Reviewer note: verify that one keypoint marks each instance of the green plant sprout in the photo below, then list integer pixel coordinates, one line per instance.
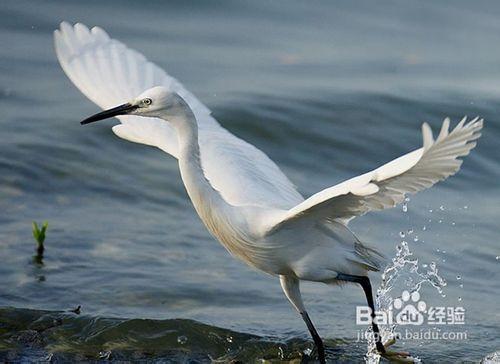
(39, 235)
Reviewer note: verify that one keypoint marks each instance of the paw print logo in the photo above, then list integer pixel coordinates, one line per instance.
(411, 309)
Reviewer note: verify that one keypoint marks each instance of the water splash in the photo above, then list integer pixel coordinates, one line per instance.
(492, 358)
(405, 204)
(403, 273)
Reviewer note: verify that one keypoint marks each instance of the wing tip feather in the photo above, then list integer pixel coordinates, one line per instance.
(427, 136)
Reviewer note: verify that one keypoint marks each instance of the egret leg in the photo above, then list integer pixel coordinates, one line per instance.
(291, 287)
(392, 356)
(315, 336)
(367, 288)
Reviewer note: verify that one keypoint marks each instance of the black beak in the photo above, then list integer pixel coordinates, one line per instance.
(119, 110)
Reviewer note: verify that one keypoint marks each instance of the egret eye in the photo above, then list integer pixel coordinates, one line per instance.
(147, 102)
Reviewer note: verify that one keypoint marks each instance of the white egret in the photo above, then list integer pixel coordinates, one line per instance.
(242, 197)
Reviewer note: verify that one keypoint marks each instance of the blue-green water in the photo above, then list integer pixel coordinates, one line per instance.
(328, 90)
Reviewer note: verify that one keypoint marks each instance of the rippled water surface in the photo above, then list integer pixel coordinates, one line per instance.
(328, 90)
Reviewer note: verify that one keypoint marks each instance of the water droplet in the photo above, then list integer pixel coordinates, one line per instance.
(407, 199)
(443, 295)
(444, 251)
(440, 221)
(415, 239)
(461, 285)
(105, 354)
(497, 257)
(453, 223)
(459, 277)
(281, 353)
(438, 250)
(229, 339)
(402, 234)
(430, 210)
(466, 207)
(182, 339)
(441, 208)
(424, 265)
(424, 228)
(49, 357)
(405, 207)
(444, 260)
(459, 299)
(410, 231)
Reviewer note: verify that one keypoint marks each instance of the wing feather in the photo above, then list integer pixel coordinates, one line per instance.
(387, 185)
(109, 73)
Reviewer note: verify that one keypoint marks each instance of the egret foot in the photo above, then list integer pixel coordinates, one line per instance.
(395, 356)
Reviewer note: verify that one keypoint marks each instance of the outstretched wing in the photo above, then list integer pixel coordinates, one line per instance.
(387, 185)
(109, 73)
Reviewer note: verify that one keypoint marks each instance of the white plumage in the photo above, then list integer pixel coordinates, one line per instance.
(108, 73)
(387, 185)
(243, 198)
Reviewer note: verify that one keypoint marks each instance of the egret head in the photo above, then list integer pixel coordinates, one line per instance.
(154, 102)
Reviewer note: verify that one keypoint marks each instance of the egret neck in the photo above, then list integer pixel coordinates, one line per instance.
(207, 201)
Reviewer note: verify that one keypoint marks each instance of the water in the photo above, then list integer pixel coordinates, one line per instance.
(328, 91)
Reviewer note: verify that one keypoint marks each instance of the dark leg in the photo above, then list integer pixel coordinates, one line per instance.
(367, 288)
(316, 338)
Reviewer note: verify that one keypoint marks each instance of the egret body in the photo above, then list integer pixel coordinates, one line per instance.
(249, 205)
